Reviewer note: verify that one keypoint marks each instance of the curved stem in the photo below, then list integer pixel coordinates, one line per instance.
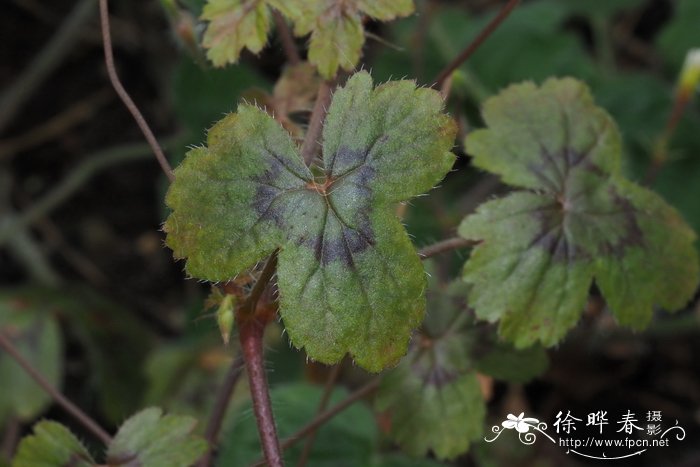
(251, 337)
(476, 43)
(125, 97)
(60, 399)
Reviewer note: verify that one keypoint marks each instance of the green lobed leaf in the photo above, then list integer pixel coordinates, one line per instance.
(33, 330)
(349, 439)
(337, 34)
(541, 250)
(149, 439)
(433, 396)
(233, 26)
(348, 275)
(51, 445)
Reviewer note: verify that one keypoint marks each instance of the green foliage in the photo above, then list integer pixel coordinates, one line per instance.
(201, 96)
(100, 326)
(349, 278)
(183, 374)
(503, 363)
(433, 396)
(51, 445)
(233, 26)
(541, 250)
(545, 48)
(33, 330)
(681, 34)
(149, 439)
(349, 439)
(337, 34)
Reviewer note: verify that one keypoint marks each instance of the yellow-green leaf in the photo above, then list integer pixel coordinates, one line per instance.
(233, 26)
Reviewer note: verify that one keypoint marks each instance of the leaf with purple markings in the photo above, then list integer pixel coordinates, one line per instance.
(349, 278)
(579, 222)
(433, 396)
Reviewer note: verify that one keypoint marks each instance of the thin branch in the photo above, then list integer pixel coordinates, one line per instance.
(91, 165)
(124, 96)
(310, 147)
(223, 398)
(322, 418)
(286, 38)
(445, 245)
(476, 43)
(60, 45)
(67, 405)
(327, 391)
(251, 329)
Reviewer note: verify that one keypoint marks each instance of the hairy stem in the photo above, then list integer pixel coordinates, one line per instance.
(476, 43)
(323, 417)
(311, 145)
(251, 337)
(125, 97)
(60, 399)
(444, 246)
(223, 398)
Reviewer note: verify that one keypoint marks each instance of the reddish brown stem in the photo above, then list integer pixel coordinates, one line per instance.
(68, 406)
(323, 417)
(476, 43)
(251, 337)
(125, 97)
